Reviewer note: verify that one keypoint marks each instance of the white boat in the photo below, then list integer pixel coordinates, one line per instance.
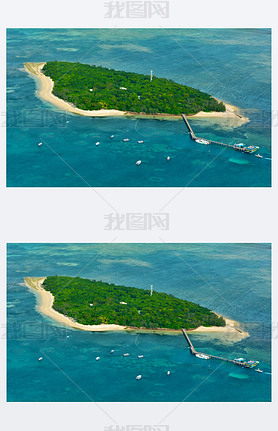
(258, 370)
(112, 136)
(138, 377)
(259, 156)
(202, 356)
(140, 142)
(97, 358)
(40, 359)
(126, 140)
(126, 354)
(168, 373)
(112, 351)
(140, 356)
(138, 162)
(168, 158)
(39, 144)
(202, 141)
(97, 144)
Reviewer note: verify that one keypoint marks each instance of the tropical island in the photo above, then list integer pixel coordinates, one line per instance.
(98, 306)
(98, 91)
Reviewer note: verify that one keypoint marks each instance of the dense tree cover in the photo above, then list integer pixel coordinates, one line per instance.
(94, 87)
(73, 296)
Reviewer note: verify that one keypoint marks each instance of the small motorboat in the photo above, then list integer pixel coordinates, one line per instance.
(202, 141)
(126, 139)
(140, 356)
(112, 351)
(112, 136)
(97, 144)
(168, 158)
(258, 370)
(202, 356)
(126, 354)
(168, 373)
(139, 377)
(40, 359)
(97, 358)
(68, 336)
(138, 162)
(140, 142)
(39, 144)
(259, 156)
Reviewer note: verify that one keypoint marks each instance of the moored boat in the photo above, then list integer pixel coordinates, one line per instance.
(246, 149)
(202, 356)
(251, 149)
(251, 364)
(202, 141)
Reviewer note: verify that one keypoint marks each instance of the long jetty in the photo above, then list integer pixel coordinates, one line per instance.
(194, 352)
(194, 138)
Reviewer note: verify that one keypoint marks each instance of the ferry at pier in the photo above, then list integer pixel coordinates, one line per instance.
(251, 364)
(249, 150)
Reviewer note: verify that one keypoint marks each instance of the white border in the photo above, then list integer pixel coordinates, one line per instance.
(18, 224)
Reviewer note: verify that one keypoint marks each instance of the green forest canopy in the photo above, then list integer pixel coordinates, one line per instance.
(127, 306)
(95, 87)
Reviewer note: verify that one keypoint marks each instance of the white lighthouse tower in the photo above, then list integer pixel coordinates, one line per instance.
(151, 78)
(151, 290)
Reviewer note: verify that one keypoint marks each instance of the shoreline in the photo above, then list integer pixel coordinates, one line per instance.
(46, 308)
(45, 93)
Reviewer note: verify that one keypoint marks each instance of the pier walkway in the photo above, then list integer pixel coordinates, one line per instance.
(194, 352)
(194, 137)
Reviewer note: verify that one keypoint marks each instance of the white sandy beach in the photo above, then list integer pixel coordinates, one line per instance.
(35, 69)
(47, 299)
(46, 304)
(232, 328)
(231, 112)
(46, 93)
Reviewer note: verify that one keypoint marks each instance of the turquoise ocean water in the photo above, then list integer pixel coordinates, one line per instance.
(233, 65)
(231, 279)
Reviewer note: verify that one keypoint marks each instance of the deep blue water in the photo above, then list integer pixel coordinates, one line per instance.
(233, 65)
(231, 279)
